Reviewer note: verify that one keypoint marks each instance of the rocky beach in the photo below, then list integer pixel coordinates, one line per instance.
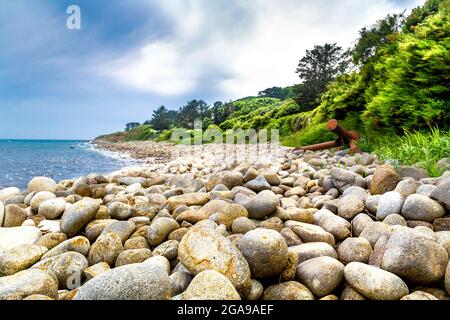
(325, 225)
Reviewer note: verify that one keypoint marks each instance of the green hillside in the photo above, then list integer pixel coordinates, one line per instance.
(392, 86)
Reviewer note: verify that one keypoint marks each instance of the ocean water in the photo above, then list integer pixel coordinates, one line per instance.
(21, 160)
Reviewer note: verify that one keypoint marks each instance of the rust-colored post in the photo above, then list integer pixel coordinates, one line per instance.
(345, 136)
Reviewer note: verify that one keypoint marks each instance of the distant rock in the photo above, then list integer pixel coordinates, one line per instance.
(385, 179)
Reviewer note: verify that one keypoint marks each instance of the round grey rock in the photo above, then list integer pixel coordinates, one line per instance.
(266, 252)
(375, 283)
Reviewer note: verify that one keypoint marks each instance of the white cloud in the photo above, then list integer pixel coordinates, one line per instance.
(254, 45)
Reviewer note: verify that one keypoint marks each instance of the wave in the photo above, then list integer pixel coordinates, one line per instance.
(122, 157)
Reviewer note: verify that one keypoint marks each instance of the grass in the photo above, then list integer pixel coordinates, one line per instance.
(420, 148)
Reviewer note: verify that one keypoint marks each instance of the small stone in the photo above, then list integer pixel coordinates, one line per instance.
(8, 193)
(27, 283)
(441, 224)
(291, 267)
(189, 199)
(78, 216)
(442, 193)
(295, 191)
(262, 205)
(20, 258)
(336, 225)
(290, 237)
(39, 198)
(385, 179)
(372, 203)
(250, 174)
(265, 251)
(301, 215)
(133, 256)
(96, 270)
(124, 229)
(310, 232)
(13, 237)
(177, 234)
(419, 295)
(137, 281)
(119, 211)
(210, 285)
(256, 292)
(290, 290)
(39, 297)
(68, 268)
(168, 249)
(413, 172)
(95, 228)
(14, 216)
(53, 208)
(360, 222)
(426, 189)
(375, 283)
(420, 207)
(354, 250)
(415, 257)
(376, 258)
(136, 243)
(350, 206)
(107, 248)
(179, 281)
(406, 187)
(39, 184)
(51, 240)
(344, 179)
(232, 178)
(160, 229)
(395, 220)
(374, 231)
(230, 213)
(391, 202)
(78, 244)
(204, 249)
(306, 251)
(350, 293)
(321, 275)
(258, 184)
(359, 192)
(272, 177)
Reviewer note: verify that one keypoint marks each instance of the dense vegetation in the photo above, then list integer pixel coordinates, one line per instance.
(392, 85)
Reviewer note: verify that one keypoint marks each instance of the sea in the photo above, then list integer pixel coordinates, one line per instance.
(22, 160)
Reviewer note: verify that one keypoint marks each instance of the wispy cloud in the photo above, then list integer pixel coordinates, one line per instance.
(254, 44)
(133, 56)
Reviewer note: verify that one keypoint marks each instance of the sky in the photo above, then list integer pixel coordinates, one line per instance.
(129, 57)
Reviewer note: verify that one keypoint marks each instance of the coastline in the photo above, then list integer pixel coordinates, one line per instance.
(146, 151)
(266, 217)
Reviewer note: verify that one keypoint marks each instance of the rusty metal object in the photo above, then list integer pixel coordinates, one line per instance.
(345, 137)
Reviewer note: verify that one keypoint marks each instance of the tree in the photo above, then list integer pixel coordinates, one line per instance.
(216, 112)
(276, 92)
(188, 114)
(131, 125)
(317, 68)
(419, 14)
(203, 109)
(160, 119)
(372, 38)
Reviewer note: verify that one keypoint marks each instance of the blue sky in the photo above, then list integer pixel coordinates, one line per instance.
(132, 56)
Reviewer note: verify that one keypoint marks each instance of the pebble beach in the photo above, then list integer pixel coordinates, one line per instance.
(326, 225)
